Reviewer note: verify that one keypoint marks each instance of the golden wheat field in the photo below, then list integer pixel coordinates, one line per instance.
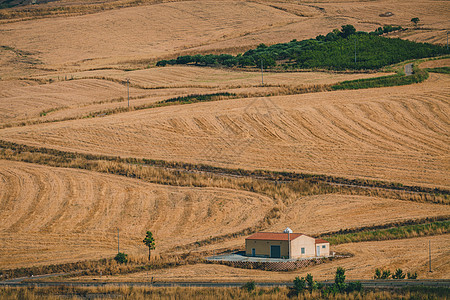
(63, 68)
(398, 134)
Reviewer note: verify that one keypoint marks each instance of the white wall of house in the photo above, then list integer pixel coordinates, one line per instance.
(303, 246)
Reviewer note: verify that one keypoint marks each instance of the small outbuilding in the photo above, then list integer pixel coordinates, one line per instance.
(285, 244)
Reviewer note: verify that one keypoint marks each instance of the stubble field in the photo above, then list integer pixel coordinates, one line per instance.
(68, 65)
(395, 134)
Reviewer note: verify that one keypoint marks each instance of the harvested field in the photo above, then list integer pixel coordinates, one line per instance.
(153, 30)
(166, 29)
(54, 215)
(187, 76)
(27, 100)
(95, 91)
(411, 255)
(436, 63)
(397, 134)
(345, 212)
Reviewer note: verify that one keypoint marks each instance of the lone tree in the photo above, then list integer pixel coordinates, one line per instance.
(415, 21)
(149, 241)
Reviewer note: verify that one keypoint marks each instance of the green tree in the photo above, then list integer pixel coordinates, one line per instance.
(339, 279)
(149, 241)
(312, 284)
(347, 30)
(415, 21)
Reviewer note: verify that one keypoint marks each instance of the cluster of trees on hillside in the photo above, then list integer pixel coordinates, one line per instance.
(336, 51)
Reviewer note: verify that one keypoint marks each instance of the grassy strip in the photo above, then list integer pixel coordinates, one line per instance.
(108, 266)
(384, 81)
(172, 101)
(387, 225)
(111, 291)
(442, 70)
(194, 98)
(284, 186)
(402, 232)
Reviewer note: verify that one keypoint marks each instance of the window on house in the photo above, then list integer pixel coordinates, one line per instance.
(323, 246)
(303, 250)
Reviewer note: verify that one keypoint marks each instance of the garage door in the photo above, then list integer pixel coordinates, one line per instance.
(275, 252)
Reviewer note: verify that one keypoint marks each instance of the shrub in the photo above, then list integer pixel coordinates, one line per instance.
(249, 286)
(354, 287)
(377, 274)
(121, 258)
(412, 275)
(386, 274)
(398, 274)
(299, 286)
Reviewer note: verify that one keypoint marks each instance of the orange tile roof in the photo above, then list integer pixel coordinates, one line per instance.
(273, 236)
(320, 241)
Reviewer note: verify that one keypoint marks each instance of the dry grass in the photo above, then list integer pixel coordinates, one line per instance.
(124, 292)
(396, 134)
(347, 211)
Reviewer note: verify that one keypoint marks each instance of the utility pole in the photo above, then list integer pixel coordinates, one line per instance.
(355, 50)
(128, 90)
(118, 243)
(429, 247)
(447, 40)
(262, 73)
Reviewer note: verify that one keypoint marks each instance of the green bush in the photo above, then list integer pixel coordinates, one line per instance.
(354, 287)
(412, 275)
(121, 258)
(311, 283)
(249, 286)
(299, 287)
(386, 274)
(398, 274)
